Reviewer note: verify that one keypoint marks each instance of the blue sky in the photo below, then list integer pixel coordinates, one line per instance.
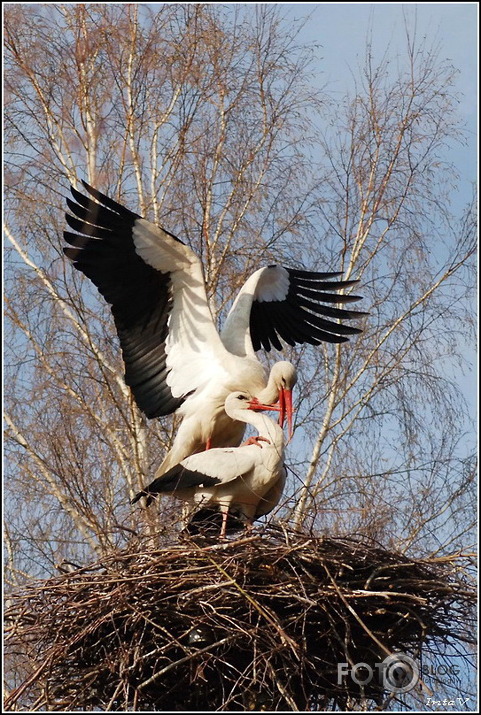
(341, 30)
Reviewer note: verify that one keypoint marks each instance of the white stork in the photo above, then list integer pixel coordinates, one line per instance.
(248, 479)
(175, 360)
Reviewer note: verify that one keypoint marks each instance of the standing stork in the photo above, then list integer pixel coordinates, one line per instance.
(248, 479)
(175, 360)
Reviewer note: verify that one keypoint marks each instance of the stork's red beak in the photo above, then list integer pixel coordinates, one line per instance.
(254, 404)
(283, 406)
(286, 409)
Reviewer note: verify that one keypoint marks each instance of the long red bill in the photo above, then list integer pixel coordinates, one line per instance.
(286, 409)
(256, 405)
(283, 406)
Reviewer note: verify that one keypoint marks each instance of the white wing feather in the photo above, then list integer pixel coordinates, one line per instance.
(224, 464)
(195, 353)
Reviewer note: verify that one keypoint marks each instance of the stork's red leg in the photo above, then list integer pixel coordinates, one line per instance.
(208, 444)
(225, 514)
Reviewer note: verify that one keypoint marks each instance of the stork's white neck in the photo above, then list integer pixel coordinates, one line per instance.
(270, 393)
(265, 426)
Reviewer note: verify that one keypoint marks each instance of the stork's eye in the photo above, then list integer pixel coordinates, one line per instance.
(242, 397)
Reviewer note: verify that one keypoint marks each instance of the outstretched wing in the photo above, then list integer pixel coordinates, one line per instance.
(154, 284)
(296, 306)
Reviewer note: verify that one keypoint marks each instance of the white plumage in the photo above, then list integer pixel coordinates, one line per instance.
(248, 479)
(175, 360)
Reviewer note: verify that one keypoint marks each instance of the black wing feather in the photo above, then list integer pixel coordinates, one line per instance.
(262, 331)
(140, 296)
(301, 316)
(176, 479)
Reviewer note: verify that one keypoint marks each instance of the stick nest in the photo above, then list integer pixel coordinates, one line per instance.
(259, 623)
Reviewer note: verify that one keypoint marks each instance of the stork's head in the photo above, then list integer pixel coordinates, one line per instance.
(243, 401)
(278, 393)
(284, 375)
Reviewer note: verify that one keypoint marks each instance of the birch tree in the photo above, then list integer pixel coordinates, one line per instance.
(391, 454)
